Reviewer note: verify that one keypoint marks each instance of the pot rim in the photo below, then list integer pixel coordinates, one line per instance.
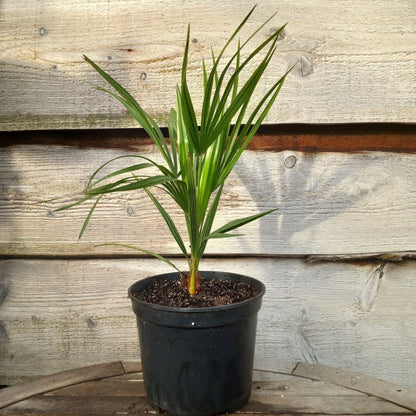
(205, 309)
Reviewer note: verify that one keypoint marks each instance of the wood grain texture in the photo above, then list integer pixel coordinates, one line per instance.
(272, 394)
(60, 314)
(335, 204)
(355, 381)
(51, 382)
(353, 64)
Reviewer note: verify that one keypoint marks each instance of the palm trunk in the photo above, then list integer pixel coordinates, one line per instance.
(193, 278)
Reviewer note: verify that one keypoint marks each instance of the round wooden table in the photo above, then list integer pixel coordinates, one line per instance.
(278, 388)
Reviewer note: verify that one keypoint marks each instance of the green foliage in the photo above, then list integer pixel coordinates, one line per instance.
(199, 156)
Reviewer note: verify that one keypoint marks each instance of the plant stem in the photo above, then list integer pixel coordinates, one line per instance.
(193, 278)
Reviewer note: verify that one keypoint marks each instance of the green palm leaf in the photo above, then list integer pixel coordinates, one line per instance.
(142, 250)
(232, 225)
(198, 156)
(170, 223)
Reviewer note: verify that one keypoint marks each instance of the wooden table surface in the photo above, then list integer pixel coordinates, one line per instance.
(278, 388)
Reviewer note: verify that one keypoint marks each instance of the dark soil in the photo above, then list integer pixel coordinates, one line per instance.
(212, 292)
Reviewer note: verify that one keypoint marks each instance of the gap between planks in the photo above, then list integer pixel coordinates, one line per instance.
(390, 392)
(352, 137)
(395, 257)
(15, 394)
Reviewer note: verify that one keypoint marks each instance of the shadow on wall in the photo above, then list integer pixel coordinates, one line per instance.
(328, 203)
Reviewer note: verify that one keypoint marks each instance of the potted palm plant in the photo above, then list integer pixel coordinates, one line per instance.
(196, 351)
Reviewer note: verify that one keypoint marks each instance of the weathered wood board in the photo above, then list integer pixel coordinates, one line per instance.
(63, 303)
(273, 393)
(354, 62)
(63, 314)
(336, 204)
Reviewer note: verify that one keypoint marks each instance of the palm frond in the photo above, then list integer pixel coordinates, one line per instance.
(198, 156)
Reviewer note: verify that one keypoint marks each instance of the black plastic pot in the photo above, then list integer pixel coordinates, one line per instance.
(197, 361)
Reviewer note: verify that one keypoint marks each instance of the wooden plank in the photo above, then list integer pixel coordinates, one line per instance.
(332, 204)
(268, 404)
(59, 313)
(321, 404)
(274, 366)
(265, 383)
(131, 385)
(73, 381)
(353, 63)
(80, 406)
(132, 366)
(44, 384)
(118, 395)
(379, 388)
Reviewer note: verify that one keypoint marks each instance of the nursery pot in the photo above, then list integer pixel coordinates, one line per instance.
(197, 361)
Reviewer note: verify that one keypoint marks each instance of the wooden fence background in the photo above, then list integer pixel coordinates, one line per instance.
(337, 157)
